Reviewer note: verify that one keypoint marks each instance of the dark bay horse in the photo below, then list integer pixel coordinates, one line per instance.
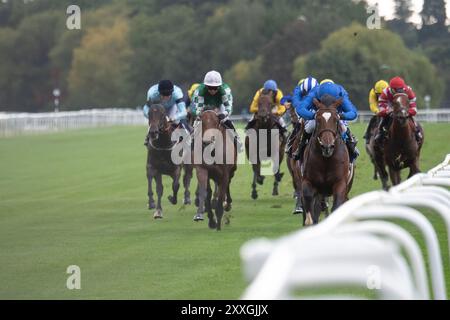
(159, 161)
(400, 149)
(218, 162)
(326, 167)
(264, 122)
(294, 166)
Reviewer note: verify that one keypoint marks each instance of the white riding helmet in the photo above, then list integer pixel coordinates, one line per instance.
(213, 79)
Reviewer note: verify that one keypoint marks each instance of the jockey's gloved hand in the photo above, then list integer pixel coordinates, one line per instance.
(341, 116)
(222, 117)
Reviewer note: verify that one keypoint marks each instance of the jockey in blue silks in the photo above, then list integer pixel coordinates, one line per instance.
(171, 98)
(347, 111)
(300, 92)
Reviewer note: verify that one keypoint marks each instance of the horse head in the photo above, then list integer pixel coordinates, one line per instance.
(265, 106)
(210, 124)
(400, 105)
(327, 124)
(157, 121)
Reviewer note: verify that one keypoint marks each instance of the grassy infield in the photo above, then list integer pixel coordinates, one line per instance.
(80, 198)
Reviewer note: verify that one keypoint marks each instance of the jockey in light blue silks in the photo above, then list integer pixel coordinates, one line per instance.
(171, 97)
(347, 111)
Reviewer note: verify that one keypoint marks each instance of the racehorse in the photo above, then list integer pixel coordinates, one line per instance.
(326, 168)
(400, 149)
(372, 130)
(264, 120)
(159, 161)
(294, 165)
(220, 143)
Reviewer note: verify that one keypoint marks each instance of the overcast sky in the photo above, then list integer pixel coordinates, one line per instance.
(386, 8)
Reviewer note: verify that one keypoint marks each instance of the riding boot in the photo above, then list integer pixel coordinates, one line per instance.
(382, 129)
(251, 123)
(418, 134)
(291, 140)
(351, 142)
(228, 124)
(298, 155)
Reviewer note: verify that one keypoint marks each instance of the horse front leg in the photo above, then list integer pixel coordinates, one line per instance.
(214, 197)
(222, 183)
(187, 183)
(151, 200)
(175, 185)
(308, 194)
(339, 195)
(413, 168)
(202, 177)
(277, 180)
(380, 167)
(159, 191)
(395, 176)
(255, 179)
(209, 207)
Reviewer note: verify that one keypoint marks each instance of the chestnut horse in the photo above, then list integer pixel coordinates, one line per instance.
(264, 120)
(400, 149)
(219, 166)
(159, 161)
(326, 168)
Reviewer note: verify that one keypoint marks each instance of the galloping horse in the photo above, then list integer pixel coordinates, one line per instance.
(159, 161)
(294, 166)
(400, 149)
(326, 167)
(216, 139)
(265, 121)
(371, 145)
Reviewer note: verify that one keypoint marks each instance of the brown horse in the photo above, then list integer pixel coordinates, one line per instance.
(400, 149)
(326, 167)
(264, 122)
(372, 130)
(294, 166)
(159, 161)
(218, 163)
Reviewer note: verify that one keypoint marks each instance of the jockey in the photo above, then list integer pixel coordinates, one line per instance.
(171, 97)
(300, 92)
(347, 111)
(279, 110)
(396, 85)
(374, 94)
(190, 93)
(215, 94)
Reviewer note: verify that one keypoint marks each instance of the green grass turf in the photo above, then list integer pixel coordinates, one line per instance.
(79, 198)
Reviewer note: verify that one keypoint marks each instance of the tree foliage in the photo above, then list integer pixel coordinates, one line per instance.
(354, 58)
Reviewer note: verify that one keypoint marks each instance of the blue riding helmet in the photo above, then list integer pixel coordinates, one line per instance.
(330, 89)
(270, 85)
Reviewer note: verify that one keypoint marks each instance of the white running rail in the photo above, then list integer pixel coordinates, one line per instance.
(342, 250)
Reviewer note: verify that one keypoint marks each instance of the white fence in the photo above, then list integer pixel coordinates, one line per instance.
(355, 246)
(24, 123)
(12, 124)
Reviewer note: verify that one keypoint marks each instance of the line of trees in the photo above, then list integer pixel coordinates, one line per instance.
(124, 47)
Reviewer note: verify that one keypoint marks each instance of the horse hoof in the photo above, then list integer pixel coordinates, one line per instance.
(212, 224)
(254, 195)
(187, 201)
(309, 220)
(260, 180)
(275, 192)
(151, 205)
(157, 214)
(227, 207)
(226, 220)
(199, 217)
(172, 199)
